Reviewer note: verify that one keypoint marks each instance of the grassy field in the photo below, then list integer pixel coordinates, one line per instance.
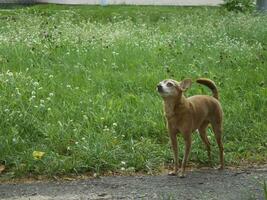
(77, 83)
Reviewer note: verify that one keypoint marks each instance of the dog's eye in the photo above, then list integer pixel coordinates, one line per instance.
(169, 84)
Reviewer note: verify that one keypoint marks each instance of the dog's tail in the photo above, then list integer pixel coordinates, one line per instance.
(211, 85)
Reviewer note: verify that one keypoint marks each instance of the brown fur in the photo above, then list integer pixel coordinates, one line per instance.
(186, 115)
(211, 85)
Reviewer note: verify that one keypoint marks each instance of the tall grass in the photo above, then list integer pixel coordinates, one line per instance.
(78, 83)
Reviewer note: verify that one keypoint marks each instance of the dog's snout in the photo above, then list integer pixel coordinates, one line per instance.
(160, 88)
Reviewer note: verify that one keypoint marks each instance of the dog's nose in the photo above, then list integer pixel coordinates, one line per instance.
(159, 88)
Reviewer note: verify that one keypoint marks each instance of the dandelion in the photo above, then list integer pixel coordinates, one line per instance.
(37, 155)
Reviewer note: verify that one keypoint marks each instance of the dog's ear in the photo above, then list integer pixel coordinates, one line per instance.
(185, 84)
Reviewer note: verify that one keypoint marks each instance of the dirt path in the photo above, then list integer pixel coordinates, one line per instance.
(199, 184)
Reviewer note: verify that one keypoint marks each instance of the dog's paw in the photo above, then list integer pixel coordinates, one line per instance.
(172, 173)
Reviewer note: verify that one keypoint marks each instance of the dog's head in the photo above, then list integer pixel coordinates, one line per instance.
(172, 88)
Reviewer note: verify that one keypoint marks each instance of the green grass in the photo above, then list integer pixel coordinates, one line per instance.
(265, 189)
(78, 83)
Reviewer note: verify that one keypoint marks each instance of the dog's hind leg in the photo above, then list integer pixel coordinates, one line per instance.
(204, 138)
(217, 129)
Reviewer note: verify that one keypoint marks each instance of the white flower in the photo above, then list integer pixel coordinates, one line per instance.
(114, 124)
(32, 98)
(106, 128)
(123, 162)
(35, 84)
(9, 73)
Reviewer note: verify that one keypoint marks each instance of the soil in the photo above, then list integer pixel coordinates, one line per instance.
(236, 184)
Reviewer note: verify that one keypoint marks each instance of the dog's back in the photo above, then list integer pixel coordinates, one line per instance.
(206, 108)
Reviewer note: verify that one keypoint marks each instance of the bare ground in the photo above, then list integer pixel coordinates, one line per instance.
(236, 184)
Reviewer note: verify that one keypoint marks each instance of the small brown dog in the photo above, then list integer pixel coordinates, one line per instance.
(185, 115)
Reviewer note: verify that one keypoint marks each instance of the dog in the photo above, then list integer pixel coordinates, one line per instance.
(186, 115)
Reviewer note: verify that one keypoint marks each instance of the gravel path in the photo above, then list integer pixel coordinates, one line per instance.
(199, 184)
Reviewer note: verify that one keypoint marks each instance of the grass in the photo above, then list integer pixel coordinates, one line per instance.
(265, 189)
(78, 83)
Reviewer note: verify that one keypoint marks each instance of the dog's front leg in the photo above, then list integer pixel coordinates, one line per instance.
(175, 152)
(188, 141)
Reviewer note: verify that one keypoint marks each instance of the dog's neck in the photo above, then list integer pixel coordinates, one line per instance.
(172, 105)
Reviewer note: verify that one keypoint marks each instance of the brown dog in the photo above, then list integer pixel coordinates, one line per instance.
(185, 115)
